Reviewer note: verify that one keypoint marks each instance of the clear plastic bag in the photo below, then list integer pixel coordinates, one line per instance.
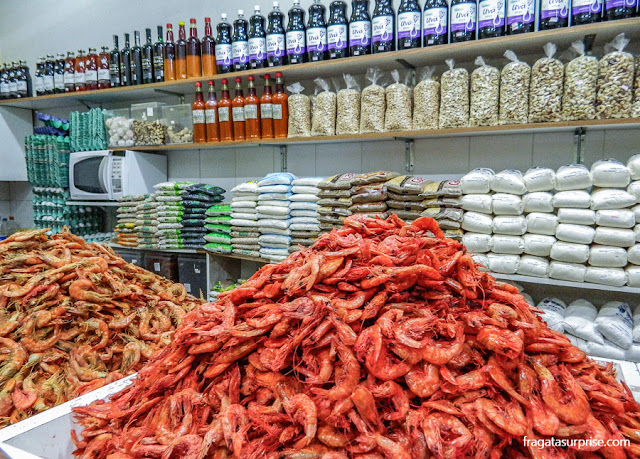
(615, 81)
(545, 96)
(372, 103)
(580, 79)
(514, 90)
(426, 101)
(323, 119)
(485, 89)
(348, 117)
(635, 105)
(397, 116)
(454, 97)
(299, 112)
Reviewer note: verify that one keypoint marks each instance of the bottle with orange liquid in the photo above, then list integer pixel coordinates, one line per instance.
(181, 53)
(252, 111)
(224, 113)
(237, 112)
(280, 109)
(197, 111)
(194, 52)
(169, 56)
(208, 50)
(266, 110)
(211, 115)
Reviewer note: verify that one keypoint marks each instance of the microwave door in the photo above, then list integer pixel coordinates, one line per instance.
(89, 176)
(103, 174)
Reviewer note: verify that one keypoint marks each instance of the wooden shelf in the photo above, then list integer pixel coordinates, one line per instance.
(492, 48)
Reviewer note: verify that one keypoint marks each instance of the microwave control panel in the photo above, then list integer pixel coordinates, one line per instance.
(116, 175)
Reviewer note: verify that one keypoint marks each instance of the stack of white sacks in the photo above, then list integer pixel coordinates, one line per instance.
(244, 220)
(303, 209)
(273, 215)
(574, 224)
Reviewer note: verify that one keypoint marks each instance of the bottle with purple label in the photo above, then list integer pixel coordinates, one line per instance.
(619, 9)
(491, 16)
(224, 58)
(435, 19)
(382, 27)
(257, 40)
(554, 14)
(521, 16)
(240, 43)
(296, 35)
(409, 25)
(586, 11)
(276, 49)
(317, 32)
(359, 28)
(463, 20)
(337, 30)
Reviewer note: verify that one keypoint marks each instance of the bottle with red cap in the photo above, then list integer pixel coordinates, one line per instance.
(237, 112)
(224, 113)
(211, 114)
(280, 107)
(197, 110)
(266, 110)
(194, 52)
(252, 111)
(208, 50)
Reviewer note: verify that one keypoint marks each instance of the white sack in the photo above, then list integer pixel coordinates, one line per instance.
(553, 313)
(482, 260)
(477, 242)
(539, 179)
(538, 244)
(634, 190)
(477, 181)
(567, 271)
(633, 254)
(533, 266)
(573, 177)
(610, 173)
(607, 350)
(515, 226)
(616, 277)
(616, 218)
(507, 204)
(569, 252)
(477, 223)
(616, 237)
(507, 244)
(636, 324)
(608, 198)
(579, 199)
(539, 223)
(477, 203)
(508, 181)
(506, 264)
(615, 323)
(633, 276)
(578, 234)
(540, 201)
(634, 167)
(604, 256)
(576, 216)
(579, 318)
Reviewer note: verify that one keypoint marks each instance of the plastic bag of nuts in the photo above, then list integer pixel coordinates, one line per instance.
(348, 117)
(514, 90)
(323, 118)
(635, 106)
(580, 78)
(397, 117)
(454, 97)
(372, 104)
(615, 81)
(426, 101)
(299, 112)
(545, 96)
(148, 132)
(485, 89)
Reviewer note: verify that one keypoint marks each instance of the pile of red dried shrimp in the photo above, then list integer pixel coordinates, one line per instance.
(73, 317)
(379, 341)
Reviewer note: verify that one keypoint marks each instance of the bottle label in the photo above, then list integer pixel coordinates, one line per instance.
(103, 75)
(79, 77)
(257, 48)
(240, 52)
(69, 78)
(223, 54)
(223, 114)
(382, 29)
(409, 25)
(91, 76)
(557, 8)
(198, 116)
(4, 88)
(295, 42)
(210, 115)
(275, 45)
(39, 84)
(158, 67)
(48, 83)
(585, 6)
(521, 11)
(317, 39)
(611, 4)
(238, 114)
(434, 21)
(146, 65)
(58, 81)
(360, 33)
(13, 87)
(266, 111)
(251, 112)
(463, 17)
(21, 86)
(277, 111)
(337, 36)
(490, 13)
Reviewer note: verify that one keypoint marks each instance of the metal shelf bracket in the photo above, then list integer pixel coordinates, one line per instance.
(579, 136)
(283, 158)
(409, 155)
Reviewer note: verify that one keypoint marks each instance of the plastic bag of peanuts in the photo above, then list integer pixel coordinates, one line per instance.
(485, 89)
(397, 116)
(454, 97)
(299, 112)
(348, 116)
(580, 79)
(545, 95)
(514, 90)
(635, 105)
(323, 117)
(372, 103)
(426, 101)
(615, 81)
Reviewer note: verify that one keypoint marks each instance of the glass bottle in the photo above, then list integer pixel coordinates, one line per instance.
(463, 20)
(169, 56)
(13, 81)
(491, 15)
(158, 57)
(136, 60)
(521, 15)
(252, 111)
(618, 9)
(78, 72)
(211, 114)
(197, 111)
(237, 112)
(224, 113)
(317, 32)
(208, 50)
(409, 25)
(240, 43)
(181, 53)
(147, 59)
(114, 64)
(276, 48)
(337, 30)
(586, 11)
(359, 28)
(382, 27)
(25, 76)
(125, 69)
(39, 77)
(280, 107)
(435, 22)
(554, 14)
(257, 40)
(224, 58)
(69, 72)
(266, 110)
(58, 74)
(296, 37)
(104, 76)
(4, 82)
(194, 52)
(49, 84)
(90, 70)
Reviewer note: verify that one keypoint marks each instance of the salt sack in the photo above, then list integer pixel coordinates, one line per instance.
(476, 242)
(573, 177)
(615, 323)
(632, 354)
(506, 264)
(507, 204)
(608, 198)
(607, 350)
(553, 313)
(610, 173)
(513, 245)
(579, 320)
(528, 298)
(636, 212)
(538, 244)
(477, 223)
(616, 237)
(539, 179)
(539, 201)
(539, 223)
(515, 226)
(508, 181)
(636, 230)
(615, 277)
(616, 218)
(603, 256)
(569, 252)
(633, 254)
(576, 216)
(482, 260)
(635, 334)
(477, 203)
(634, 167)
(567, 271)
(533, 266)
(577, 199)
(634, 190)
(578, 234)
(477, 181)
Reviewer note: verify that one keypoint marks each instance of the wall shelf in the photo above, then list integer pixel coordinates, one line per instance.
(94, 203)
(565, 284)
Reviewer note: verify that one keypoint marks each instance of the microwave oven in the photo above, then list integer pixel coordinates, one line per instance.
(108, 175)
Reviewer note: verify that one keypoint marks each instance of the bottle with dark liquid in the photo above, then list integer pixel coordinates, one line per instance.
(296, 37)
(211, 115)
(69, 72)
(276, 48)
(521, 15)
(158, 58)
(317, 32)
(104, 75)
(237, 112)
(78, 71)
(194, 52)
(266, 110)
(409, 25)
(147, 59)
(359, 28)
(224, 57)
(586, 11)
(383, 21)
(435, 22)
(252, 111)
(463, 20)
(208, 50)
(4, 82)
(136, 60)
(619, 9)
(114, 64)
(49, 83)
(491, 16)
(337, 30)
(24, 86)
(125, 69)
(13, 81)
(181, 53)
(240, 43)
(39, 77)
(554, 14)
(197, 111)
(58, 74)
(169, 56)
(257, 40)
(224, 113)
(90, 70)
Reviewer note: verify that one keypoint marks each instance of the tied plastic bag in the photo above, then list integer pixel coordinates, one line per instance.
(454, 97)
(545, 97)
(610, 173)
(553, 310)
(426, 101)
(348, 117)
(579, 320)
(539, 179)
(299, 112)
(635, 105)
(398, 97)
(478, 181)
(485, 87)
(323, 120)
(615, 81)
(372, 104)
(615, 323)
(580, 83)
(514, 90)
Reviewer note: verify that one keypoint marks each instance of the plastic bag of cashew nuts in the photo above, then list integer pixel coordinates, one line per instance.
(635, 105)
(580, 80)
(615, 81)
(372, 103)
(397, 116)
(426, 101)
(299, 112)
(348, 117)
(514, 90)
(323, 117)
(545, 95)
(485, 88)
(454, 97)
